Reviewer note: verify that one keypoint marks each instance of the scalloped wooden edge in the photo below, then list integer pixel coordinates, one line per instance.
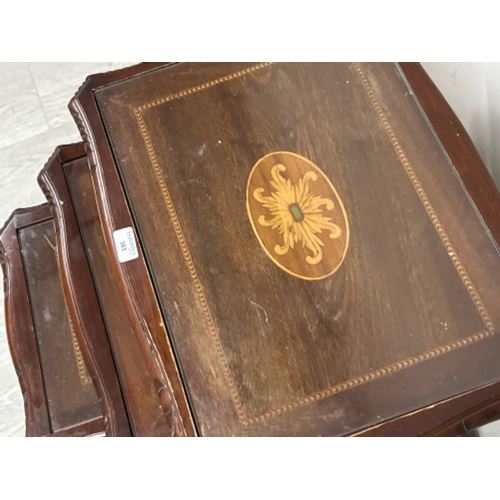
(144, 314)
(85, 314)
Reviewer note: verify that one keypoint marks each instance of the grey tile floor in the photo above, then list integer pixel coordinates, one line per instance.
(34, 119)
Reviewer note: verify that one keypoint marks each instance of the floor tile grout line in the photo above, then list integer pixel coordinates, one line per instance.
(38, 97)
(38, 134)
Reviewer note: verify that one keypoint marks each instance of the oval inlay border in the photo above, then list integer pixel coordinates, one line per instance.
(293, 205)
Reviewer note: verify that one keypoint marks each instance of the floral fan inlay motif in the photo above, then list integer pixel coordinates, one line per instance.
(297, 214)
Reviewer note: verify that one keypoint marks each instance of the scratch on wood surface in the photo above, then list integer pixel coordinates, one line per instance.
(260, 307)
(50, 243)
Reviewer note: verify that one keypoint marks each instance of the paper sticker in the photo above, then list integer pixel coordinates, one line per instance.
(125, 245)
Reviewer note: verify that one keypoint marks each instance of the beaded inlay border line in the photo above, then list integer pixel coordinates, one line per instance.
(80, 364)
(244, 420)
(425, 201)
(83, 374)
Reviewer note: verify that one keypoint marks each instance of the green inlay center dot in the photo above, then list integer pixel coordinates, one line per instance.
(296, 212)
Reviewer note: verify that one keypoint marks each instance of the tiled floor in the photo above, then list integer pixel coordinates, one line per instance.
(34, 119)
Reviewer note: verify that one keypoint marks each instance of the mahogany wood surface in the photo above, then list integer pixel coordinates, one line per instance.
(83, 306)
(265, 344)
(94, 428)
(71, 185)
(452, 417)
(59, 396)
(458, 145)
(142, 307)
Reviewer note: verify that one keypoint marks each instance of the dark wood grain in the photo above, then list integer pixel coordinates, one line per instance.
(94, 428)
(70, 176)
(58, 393)
(138, 294)
(458, 145)
(83, 306)
(263, 352)
(448, 418)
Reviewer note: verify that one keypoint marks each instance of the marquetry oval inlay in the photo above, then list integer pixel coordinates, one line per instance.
(297, 215)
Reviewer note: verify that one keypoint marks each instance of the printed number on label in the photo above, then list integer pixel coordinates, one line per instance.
(125, 245)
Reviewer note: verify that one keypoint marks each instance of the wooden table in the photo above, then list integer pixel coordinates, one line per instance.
(129, 397)
(59, 397)
(289, 249)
